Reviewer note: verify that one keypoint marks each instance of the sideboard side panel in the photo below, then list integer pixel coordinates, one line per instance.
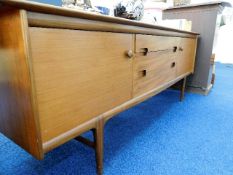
(17, 119)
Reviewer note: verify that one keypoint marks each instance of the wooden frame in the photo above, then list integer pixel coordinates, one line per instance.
(17, 94)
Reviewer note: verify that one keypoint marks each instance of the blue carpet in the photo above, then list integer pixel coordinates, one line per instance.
(194, 137)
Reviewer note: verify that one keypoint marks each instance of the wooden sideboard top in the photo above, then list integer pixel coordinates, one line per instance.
(64, 12)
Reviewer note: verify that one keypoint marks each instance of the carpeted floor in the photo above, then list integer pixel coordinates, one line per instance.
(194, 137)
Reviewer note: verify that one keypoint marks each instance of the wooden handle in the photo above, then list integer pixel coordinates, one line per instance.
(129, 54)
(145, 51)
(173, 64)
(144, 73)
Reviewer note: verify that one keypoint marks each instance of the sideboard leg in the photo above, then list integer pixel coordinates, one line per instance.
(98, 133)
(182, 90)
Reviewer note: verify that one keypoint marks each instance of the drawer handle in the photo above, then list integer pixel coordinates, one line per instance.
(143, 73)
(173, 64)
(146, 51)
(129, 54)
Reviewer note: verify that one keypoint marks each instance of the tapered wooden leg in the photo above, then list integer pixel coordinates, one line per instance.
(98, 133)
(182, 89)
(97, 144)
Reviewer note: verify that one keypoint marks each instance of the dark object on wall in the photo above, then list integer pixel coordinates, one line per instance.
(213, 70)
(132, 9)
(206, 20)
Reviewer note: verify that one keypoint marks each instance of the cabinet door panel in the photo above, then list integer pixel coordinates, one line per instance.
(186, 57)
(78, 76)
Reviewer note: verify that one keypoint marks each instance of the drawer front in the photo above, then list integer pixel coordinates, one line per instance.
(186, 56)
(157, 66)
(152, 43)
(78, 76)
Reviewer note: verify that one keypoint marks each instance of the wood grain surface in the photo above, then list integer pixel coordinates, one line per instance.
(78, 76)
(158, 66)
(186, 55)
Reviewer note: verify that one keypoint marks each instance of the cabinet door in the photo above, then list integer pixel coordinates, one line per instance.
(155, 62)
(78, 76)
(186, 57)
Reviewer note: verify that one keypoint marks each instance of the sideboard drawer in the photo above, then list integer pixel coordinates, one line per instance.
(78, 76)
(155, 62)
(152, 44)
(150, 73)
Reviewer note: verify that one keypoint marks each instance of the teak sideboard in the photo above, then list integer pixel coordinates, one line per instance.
(65, 72)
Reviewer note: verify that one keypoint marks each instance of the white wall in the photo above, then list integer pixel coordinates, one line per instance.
(224, 51)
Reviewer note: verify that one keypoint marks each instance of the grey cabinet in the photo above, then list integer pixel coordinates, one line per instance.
(205, 20)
